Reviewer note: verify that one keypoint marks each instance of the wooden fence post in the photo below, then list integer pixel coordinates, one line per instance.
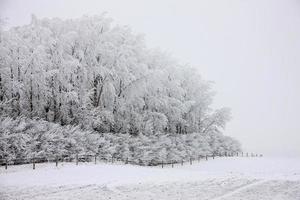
(76, 159)
(172, 164)
(5, 163)
(162, 164)
(206, 157)
(95, 158)
(33, 163)
(213, 156)
(56, 161)
(191, 162)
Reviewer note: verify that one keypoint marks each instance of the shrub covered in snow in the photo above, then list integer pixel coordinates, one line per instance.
(25, 138)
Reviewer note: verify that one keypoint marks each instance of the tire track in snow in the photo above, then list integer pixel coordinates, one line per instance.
(240, 189)
(55, 190)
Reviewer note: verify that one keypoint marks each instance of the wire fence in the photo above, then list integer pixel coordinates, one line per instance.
(84, 158)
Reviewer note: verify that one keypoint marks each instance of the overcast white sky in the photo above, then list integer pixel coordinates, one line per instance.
(249, 48)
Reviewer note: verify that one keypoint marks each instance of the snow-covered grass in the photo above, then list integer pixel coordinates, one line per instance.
(221, 178)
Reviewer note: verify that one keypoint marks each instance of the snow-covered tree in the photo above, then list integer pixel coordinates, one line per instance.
(103, 86)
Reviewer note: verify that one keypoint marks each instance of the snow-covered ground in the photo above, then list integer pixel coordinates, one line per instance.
(221, 178)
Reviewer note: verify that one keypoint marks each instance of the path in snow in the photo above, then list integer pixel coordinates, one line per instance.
(240, 189)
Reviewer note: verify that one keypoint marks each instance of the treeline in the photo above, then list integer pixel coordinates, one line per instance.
(100, 78)
(25, 138)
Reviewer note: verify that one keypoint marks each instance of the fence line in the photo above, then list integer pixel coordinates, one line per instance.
(96, 157)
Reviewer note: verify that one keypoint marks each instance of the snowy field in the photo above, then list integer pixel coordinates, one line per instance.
(221, 178)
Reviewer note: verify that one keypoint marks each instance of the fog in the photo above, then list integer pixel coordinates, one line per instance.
(250, 49)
